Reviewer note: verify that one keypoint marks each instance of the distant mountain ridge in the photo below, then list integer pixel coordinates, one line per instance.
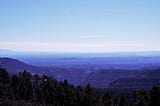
(15, 66)
(73, 75)
(98, 78)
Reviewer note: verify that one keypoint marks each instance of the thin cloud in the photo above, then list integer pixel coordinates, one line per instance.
(71, 46)
(91, 37)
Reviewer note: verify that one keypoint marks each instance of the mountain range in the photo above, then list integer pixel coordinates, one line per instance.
(97, 77)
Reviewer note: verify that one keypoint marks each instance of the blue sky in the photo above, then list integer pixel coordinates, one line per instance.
(80, 25)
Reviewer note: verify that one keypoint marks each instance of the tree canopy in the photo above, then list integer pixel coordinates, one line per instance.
(44, 90)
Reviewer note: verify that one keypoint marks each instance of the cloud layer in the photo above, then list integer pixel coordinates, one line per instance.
(72, 47)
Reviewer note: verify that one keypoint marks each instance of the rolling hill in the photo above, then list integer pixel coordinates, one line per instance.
(73, 75)
(97, 77)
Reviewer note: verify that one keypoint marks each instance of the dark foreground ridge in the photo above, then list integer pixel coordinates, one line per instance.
(27, 89)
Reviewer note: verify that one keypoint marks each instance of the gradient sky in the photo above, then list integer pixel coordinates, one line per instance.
(80, 25)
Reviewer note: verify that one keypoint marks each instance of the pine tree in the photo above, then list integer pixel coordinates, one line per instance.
(47, 89)
(79, 95)
(89, 98)
(107, 99)
(15, 87)
(4, 76)
(4, 84)
(155, 96)
(122, 100)
(25, 86)
(142, 98)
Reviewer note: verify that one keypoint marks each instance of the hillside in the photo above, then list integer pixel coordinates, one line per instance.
(15, 66)
(135, 83)
(124, 78)
(102, 78)
(73, 75)
(97, 77)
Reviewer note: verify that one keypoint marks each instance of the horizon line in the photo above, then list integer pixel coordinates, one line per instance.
(100, 52)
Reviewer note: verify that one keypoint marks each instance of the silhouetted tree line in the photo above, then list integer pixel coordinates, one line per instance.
(41, 90)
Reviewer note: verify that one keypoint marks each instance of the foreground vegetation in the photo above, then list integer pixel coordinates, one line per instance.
(40, 90)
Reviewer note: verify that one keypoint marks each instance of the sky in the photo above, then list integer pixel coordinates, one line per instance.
(80, 25)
